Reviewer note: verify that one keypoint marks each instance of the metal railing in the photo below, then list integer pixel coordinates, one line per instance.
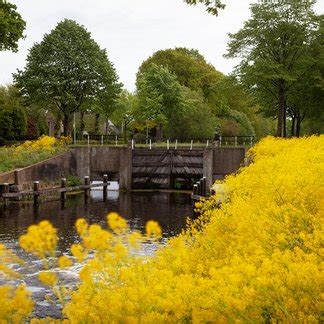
(169, 143)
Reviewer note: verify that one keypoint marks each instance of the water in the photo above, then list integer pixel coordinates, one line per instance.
(169, 209)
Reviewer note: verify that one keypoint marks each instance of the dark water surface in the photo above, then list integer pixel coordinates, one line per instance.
(169, 209)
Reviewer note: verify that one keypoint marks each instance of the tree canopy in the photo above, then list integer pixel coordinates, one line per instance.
(12, 26)
(67, 70)
(274, 47)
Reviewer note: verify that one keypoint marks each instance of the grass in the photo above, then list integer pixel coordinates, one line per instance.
(11, 160)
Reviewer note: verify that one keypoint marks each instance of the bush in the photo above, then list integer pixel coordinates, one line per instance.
(254, 259)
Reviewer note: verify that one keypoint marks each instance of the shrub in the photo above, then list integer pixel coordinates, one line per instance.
(254, 259)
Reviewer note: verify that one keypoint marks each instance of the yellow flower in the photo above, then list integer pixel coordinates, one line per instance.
(153, 229)
(40, 239)
(48, 278)
(64, 262)
(116, 223)
(81, 226)
(78, 252)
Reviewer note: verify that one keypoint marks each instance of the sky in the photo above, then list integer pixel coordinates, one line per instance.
(132, 30)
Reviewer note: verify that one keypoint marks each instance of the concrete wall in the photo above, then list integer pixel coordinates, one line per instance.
(227, 160)
(97, 160)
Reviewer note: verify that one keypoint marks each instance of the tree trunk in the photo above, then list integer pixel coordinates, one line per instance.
(298, 125)
(281, 109)
(159, 133)
(107, 125)
(293, 125)
(82, 125)
(125, 133)
(96, 126)
(67, 125)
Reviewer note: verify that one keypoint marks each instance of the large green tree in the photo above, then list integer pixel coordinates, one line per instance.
(176, 109)
(68, 70)
(12, 26)
(190, 68)
(274, 49)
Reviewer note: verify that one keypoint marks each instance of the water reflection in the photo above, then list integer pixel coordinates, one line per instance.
(169, 209)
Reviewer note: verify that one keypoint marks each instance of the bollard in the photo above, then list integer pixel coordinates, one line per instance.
(150, 144)
(133, 144)
(198, 189)
(191, 144)
(102, 141)
(6, 190)
(63, 192)
(207, 144)
(105, 186)
(176, 144)
(220, 141)
(116, 139)
(204, 187)
(168, 144)
(36, 194)
(201, 187)
(195, 190)
(87, 189)
(88, 140)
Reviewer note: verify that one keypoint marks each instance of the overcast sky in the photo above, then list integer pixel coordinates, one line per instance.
(132, 30)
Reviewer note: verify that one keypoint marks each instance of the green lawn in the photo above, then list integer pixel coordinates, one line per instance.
(10, 159)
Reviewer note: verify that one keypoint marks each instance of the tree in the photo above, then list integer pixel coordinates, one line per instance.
(12, 26)
(190, 68)
(212, 6)
(161, 97)
(67, 70)
(274, 48)
(125, 108)
(13, 118)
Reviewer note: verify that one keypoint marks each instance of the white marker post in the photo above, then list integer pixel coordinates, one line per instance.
(150, 144)
(101, 140)
(88, 140)
(191, 144)
(168, 144)
(116, 140)
(207, 144)
(176, 144)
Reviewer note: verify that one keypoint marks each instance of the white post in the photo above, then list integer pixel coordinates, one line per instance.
(191, 143)
(235, 140)
(168, 144)
(251, 141)
(176, 144)
(220, 141)
(88, 140)
(207, 144)
(101, 140)
(116, 140)
(132, 144)
(150, 144)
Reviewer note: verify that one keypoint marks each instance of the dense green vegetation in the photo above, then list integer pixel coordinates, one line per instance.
(12, 26)
(67, 71)
(281, 51)
(179, 95)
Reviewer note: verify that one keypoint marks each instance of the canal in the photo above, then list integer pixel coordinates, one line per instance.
(169, 209)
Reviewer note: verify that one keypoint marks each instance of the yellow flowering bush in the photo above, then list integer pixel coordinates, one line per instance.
(31, 152)
(257, 257)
